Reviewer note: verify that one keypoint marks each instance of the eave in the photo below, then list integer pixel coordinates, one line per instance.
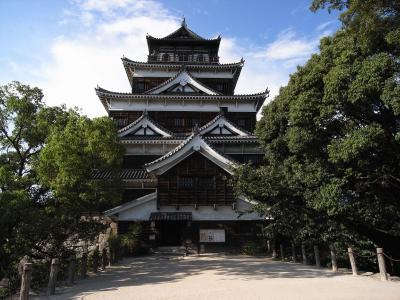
(145, 121)
(106, 95)
(130, 66)
(194, 143)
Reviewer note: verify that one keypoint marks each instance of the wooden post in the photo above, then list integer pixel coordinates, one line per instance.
(95, 259)
(382, 265)
(51, 287)
(316, 254)
(25, 281)
(71, 269)
(352, 262)
(333, 259)
(282, 252)
(274, 254)
(303, 253)
(104, 258)
(84, 265)
(268, 246)
(294, 258)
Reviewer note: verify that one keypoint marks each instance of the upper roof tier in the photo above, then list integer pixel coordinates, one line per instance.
(183, 45)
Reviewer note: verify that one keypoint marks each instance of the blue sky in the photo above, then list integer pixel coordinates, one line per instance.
(68, 47)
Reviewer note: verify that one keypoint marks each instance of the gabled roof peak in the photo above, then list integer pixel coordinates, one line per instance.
(183, 77)
(194, 143)
(140, 126)
(183, 33)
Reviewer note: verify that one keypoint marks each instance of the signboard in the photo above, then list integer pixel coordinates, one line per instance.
(212, 235)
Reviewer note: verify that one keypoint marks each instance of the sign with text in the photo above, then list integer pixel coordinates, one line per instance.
(212, 235)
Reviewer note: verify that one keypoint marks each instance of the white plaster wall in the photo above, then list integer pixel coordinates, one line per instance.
(202, 213)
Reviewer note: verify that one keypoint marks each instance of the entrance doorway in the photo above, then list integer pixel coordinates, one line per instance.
(171, 233)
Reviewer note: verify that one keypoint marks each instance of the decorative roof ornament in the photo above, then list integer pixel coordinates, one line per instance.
(196, 129)
(184, 22)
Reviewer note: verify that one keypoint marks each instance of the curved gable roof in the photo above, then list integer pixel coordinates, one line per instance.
(144, 121)
(222, 122)
(194, 143)
(183, 77)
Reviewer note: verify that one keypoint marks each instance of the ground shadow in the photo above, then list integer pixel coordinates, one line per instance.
(161, 269)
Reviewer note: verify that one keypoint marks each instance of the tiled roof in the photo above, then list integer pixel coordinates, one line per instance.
(126, 174)
(170, 216)
(103, 92)
(166, 65)
(185, 29)
(183, 70)
(172, 152)
(145, 115)
(231, 139)
(213, 121)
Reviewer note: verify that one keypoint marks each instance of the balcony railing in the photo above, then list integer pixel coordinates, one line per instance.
(182, 59)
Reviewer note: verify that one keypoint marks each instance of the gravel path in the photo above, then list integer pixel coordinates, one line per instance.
(224, 277)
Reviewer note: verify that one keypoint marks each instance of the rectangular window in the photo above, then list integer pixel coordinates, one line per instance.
(199, 183)
(186, 182)
(241, 122)
(121, 121)
(179, 122)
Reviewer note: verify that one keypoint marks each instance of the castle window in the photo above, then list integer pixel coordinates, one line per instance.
(241, 122)
(121, 121)
(165, 57)
(199, 183)
(183, 56)
(186, 182)
(200, 58)
(178, 122)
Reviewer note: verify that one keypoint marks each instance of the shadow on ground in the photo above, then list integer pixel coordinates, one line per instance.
(156, 270)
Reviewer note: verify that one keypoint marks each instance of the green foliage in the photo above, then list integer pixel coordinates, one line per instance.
(46, 158)
(133, 241)
(331, 137)
(251, 248)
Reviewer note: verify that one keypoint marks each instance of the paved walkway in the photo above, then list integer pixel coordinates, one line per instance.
(224, 277)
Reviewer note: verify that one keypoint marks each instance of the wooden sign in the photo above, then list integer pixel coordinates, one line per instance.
(212, 235)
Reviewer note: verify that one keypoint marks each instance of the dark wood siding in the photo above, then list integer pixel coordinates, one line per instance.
(171, 192)
(183, 121)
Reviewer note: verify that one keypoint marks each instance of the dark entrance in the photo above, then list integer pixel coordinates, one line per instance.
(171, 227)
(170, 233)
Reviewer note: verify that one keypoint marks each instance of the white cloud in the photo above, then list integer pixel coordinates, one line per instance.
(113, 28)
(288, 46)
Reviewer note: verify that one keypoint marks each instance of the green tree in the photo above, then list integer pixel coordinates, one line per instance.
(332, 136)
(47, 155)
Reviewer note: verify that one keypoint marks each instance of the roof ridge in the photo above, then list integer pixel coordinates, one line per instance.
(184, 27)
(150, 119)
(127, 60)
(219, 116)
(173, 151)
(100, 90)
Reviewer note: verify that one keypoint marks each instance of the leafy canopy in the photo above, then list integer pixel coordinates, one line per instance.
(47, 155)
(331, 137)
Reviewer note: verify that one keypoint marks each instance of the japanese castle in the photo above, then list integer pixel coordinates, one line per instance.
(184, 132)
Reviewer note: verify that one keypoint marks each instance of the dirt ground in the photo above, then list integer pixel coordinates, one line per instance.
(224, 277)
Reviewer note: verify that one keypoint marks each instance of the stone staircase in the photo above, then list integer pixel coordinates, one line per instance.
(175, 250)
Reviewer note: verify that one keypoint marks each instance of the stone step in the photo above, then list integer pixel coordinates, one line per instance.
(179, 250)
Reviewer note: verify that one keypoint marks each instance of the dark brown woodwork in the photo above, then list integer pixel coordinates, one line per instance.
(196, 166)
(184, 121)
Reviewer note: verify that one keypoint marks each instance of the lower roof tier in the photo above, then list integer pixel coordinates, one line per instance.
(113, 101)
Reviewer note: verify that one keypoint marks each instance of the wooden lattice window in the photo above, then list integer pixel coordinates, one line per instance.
(165, 57)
